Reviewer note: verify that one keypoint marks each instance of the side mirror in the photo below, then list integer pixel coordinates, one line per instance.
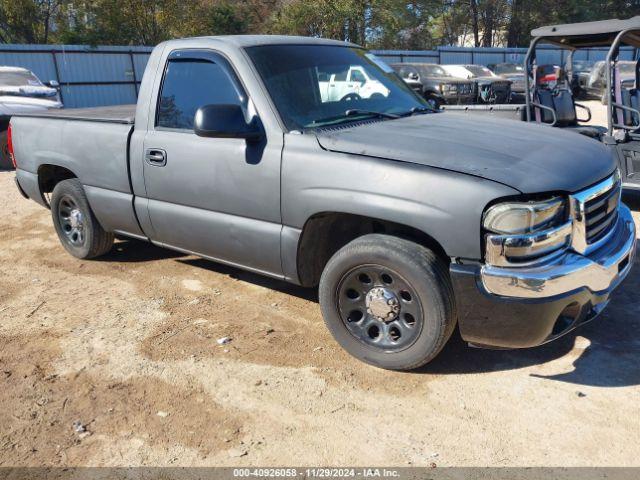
(52, 84)
(225, 121)
(413, 76)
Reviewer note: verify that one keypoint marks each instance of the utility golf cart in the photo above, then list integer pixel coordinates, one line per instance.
(553, 103)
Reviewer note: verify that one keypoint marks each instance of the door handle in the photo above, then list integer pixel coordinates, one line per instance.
(156, 157)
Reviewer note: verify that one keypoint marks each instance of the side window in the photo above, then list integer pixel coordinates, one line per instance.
(340, 76)
(189, 84)
(358, 76)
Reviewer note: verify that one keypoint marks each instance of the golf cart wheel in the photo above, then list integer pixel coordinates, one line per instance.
(388, 301)
(76, 225)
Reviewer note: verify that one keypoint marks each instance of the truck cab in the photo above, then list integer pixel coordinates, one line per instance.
(353, 83)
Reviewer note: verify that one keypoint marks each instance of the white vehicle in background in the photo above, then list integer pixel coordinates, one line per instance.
(490, 88)
(354, 84)
(22, 92)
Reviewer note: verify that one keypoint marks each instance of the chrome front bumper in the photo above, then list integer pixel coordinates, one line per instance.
(599, 271)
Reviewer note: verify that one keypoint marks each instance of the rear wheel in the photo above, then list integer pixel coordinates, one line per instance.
(77, 227)
(388, 301)
(5, 161)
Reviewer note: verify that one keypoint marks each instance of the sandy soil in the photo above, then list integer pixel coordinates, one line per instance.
(598, 112)
(127, 346)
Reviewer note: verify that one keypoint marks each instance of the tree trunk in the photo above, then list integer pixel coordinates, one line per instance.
(489, 22)
(474, 22)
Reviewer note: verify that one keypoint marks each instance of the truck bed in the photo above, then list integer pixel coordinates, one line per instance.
(122, 114)
(92, 143)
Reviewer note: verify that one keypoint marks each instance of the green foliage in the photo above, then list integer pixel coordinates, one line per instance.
(417, 24)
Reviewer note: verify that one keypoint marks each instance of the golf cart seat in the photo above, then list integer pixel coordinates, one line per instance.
(559, 100)
(630, 98)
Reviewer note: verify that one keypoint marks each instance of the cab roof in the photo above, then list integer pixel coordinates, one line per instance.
(591, 34)
(13, 69)
(261, 40)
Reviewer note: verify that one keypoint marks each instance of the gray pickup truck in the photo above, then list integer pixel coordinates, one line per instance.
(410, 221)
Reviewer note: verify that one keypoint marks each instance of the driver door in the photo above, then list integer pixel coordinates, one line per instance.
(215, 197)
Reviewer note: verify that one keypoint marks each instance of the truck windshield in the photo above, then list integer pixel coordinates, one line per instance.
(508, 68)
(432, 71)
(18, 78)
(320, 85)
(479, 71)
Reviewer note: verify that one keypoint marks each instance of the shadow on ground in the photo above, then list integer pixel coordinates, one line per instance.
(611, 359)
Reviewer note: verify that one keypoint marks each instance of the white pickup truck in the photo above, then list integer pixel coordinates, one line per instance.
(353, 84)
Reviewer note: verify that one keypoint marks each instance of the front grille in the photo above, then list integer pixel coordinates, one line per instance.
(601, 213)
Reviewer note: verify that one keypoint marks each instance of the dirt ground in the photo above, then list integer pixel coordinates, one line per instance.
(125, 348)
(598, 112)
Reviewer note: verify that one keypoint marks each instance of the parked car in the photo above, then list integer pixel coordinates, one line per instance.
(580, 72)
(513, 72)
(21, 91)
(596, 84)
(489, 87)
(435, 84)
(411, 221)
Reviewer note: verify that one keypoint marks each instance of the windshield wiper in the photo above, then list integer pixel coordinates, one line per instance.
(346, 117)
(416, 110)
(357, 111)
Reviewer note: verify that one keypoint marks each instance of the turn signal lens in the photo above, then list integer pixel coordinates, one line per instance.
(10, 148)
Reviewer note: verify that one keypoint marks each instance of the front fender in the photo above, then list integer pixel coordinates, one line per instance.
(445, 205)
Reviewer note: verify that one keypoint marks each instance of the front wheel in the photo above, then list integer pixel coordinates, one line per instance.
(388, 301)
(434, 102)
(76, 225)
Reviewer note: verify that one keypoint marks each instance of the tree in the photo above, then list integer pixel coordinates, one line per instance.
(27, 21)
(404, 24)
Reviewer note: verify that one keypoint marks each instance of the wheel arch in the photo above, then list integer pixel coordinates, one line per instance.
(49, 175)
(324, 233)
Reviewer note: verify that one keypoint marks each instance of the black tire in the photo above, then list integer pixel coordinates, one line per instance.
(433, 101)
(5, 161)
(413, 268)
(76, 225)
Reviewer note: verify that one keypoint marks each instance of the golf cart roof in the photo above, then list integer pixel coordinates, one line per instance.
(590, 34)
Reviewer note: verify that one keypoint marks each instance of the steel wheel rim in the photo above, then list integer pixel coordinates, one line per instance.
(72, 221)
(366, 302)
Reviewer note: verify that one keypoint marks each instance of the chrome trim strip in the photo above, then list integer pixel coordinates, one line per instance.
(577, 209)
(501, 247)
(599, 272)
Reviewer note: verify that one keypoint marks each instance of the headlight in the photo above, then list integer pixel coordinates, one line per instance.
(521, 232)
(441, 87)
(525, 217)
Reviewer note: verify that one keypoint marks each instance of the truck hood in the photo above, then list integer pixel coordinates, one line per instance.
(492, 80)
(530, 158)
(450, 80)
